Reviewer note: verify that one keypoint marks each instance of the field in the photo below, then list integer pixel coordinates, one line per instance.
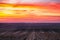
(29, 31)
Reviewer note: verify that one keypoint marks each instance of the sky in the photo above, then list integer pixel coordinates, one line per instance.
(38, 1)
(30, 14)
(29, 1)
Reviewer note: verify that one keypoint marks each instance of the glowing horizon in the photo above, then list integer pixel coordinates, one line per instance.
(28, 13)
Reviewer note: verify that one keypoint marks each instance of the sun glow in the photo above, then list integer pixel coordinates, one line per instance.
(27, 10)
(22, 13)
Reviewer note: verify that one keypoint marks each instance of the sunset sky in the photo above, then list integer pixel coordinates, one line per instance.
(29, 11)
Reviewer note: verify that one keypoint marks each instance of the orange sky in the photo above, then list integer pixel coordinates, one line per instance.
(30, 13)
